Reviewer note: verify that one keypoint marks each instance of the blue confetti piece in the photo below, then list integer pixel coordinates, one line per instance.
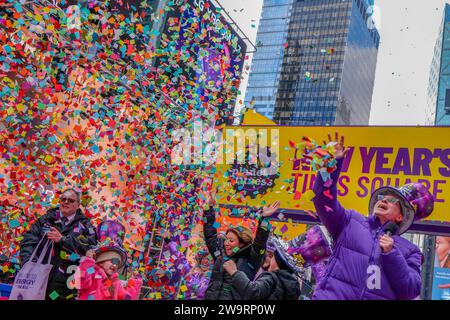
(14, 223)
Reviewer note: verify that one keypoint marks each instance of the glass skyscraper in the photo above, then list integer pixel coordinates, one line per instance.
(438, 108)
(318, 67)
(267, 61)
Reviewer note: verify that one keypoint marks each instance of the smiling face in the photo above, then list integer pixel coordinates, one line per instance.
(109, 266)
(388, 208)
(69, 203)
(231, 242)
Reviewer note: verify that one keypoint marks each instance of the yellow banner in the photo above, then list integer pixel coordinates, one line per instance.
(378, 156)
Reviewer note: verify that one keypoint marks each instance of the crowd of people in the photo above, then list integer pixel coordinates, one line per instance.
(366, 257)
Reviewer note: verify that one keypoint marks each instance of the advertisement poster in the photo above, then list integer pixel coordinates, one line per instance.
(441, 277)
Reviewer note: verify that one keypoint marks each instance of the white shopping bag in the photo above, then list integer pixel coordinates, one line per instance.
(31, 281)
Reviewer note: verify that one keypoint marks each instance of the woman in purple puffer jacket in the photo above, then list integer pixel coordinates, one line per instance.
(366, 262)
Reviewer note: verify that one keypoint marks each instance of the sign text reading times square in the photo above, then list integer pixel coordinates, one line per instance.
(386, 163)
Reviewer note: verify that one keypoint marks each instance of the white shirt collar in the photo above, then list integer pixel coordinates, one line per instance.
(70, 218)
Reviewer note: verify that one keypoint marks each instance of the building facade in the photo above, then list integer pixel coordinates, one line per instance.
(265, 73)
(327, 72)
(438, 99)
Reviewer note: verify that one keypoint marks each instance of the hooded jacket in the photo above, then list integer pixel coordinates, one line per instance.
(78, 237)
(277, 285)
(248, 259)
(94, 284)
(358, 269)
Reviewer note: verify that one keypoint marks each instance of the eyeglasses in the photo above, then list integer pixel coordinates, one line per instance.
(69, 200)
(391, 199)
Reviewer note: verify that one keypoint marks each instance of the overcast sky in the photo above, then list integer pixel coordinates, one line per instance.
(408, 30)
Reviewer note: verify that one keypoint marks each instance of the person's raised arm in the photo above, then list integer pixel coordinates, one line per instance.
(86, 270)
(328, 208)
(209, 218)
(262, 234)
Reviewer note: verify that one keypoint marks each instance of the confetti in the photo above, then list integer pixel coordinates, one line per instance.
(54, 295)
(327, 194)
(94, 106)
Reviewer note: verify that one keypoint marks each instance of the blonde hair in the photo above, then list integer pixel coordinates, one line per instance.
(244, 234)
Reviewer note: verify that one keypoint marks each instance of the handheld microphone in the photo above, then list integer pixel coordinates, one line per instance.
(390, 228)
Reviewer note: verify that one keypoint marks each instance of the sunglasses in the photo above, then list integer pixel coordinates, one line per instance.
(392, 200)
(69, 200)
(115, 261)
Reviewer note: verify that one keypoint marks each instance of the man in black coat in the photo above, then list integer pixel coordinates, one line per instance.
(72, 234)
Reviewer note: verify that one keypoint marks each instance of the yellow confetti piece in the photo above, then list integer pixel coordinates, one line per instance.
(48, 158)
(183, 288)
(20, 107)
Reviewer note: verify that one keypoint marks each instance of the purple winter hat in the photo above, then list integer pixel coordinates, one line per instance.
(313, 246)
(110, 235)
(285, 259)
(415, 199)
(270, 246)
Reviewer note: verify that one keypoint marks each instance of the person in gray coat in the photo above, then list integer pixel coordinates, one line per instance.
(278, 283)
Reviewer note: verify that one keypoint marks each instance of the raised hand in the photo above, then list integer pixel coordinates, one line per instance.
(270, 209)
(90, 254)
(211, 197)
(339, 150)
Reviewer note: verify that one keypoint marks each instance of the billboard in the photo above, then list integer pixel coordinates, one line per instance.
(441, 276)
(201, 59)
(378, 156)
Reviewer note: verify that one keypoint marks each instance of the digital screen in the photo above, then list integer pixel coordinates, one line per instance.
(211, 55)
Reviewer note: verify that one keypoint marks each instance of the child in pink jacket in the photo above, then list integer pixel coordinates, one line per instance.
(99, 279)
(97, 274)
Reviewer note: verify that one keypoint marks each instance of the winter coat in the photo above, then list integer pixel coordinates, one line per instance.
(78, 237)
(318, 270)
(248, 259)
(357, 262)
(277, 285)
(94, 284)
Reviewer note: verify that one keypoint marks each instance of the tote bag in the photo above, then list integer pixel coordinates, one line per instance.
(31, 281)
